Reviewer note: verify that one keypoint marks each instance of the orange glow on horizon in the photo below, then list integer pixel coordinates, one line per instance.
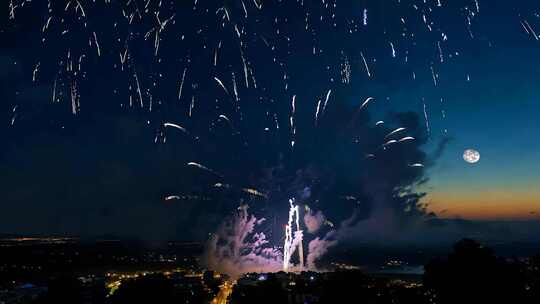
(485, 205)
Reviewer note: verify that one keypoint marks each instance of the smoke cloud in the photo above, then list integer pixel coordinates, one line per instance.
(313, 221)
(236, 248)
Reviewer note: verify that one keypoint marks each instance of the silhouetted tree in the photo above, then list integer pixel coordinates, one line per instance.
(473, 274)
(531, 271)
(265, 292)
(63, 289)
(146, 289)
(211, 282)
(347, 287)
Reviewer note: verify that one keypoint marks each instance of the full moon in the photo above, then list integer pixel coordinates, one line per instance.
(471, 156)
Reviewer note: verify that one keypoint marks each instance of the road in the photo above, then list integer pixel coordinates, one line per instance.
(224, 292)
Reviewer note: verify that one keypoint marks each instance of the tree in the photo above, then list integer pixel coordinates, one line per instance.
(146, 289)
(63, 289)
(268, 291)
(473, 274)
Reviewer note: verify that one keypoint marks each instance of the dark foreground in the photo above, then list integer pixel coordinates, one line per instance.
(471, 273)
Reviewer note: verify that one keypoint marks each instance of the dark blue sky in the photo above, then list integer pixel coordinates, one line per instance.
(86, 92)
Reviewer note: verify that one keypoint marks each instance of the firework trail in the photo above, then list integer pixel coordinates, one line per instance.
(166, 58)
(293, 241)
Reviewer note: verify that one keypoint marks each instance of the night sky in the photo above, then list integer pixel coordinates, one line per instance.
(270, 100)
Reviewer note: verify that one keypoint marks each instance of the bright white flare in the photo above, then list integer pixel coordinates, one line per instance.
(292, 242)
(173, 125)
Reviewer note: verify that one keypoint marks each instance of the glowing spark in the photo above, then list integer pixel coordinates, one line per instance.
(365, 19)
(169, 124)
(394, 132)
(326, 100)
(365, 64)
(365, 103)
(426, 119)
(97, 45)
(202, 167)
(254, 192)
(393, 49)
(406, 139)
(182, 84)
(393, 141)
(222, 85)
(318, 111)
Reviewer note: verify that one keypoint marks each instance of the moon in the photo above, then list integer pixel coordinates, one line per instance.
(471, 156)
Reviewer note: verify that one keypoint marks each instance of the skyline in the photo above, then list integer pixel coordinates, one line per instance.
(109, 109)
